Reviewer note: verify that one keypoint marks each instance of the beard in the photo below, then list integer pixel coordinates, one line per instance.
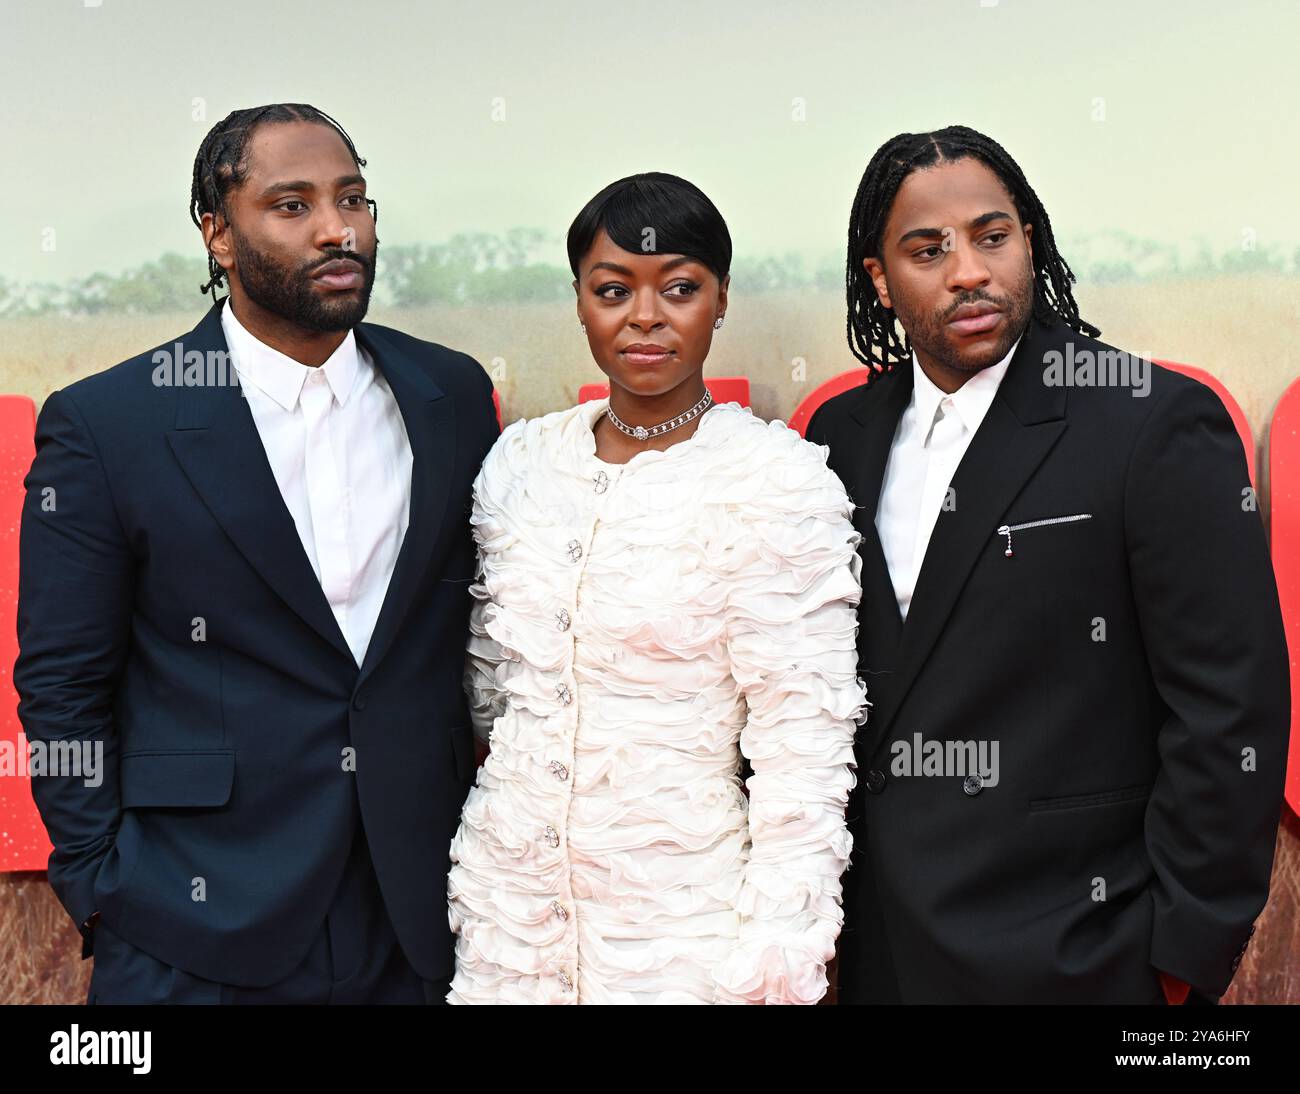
(291, 294)
(929, 333)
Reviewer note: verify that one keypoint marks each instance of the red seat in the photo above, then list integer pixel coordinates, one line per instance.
(836, 385)
(23, 844)
(725, 389)
(1284, 534)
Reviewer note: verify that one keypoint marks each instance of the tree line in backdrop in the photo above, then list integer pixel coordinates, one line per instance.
(480, 268)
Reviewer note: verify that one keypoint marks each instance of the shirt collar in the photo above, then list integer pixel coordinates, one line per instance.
(971, 401)
(280, 376)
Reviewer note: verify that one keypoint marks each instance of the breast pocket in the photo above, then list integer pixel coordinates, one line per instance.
(1046, 527)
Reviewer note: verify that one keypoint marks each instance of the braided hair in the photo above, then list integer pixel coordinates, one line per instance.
(870, 323)
(222, 163)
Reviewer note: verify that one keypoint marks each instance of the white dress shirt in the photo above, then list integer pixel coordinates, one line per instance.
(933, 434)
(338, 447)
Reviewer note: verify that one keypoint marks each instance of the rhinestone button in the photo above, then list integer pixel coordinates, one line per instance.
(575, 550)
(562, 619)
(551, 836)
(563, 694)
(559, 770)
(972, 784)
(602, 482)
(559, 909)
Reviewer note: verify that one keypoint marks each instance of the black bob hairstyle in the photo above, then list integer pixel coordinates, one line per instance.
(654, 213)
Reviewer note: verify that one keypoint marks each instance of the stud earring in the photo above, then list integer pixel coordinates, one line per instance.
(718, 324)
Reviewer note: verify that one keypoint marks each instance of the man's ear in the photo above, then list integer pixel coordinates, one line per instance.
(1029, 228)
(216, 238)
(876, 271)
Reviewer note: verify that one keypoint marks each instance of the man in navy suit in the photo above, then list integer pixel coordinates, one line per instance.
(245, 569)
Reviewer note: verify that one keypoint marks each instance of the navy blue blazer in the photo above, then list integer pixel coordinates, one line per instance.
(168, 613)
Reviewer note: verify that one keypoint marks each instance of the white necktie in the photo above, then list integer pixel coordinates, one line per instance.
(325, 495)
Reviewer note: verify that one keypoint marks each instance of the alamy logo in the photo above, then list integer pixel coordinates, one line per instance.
(78, 759)
(919, 757)
(1109, 368)
(179, 367)
(102, 1046)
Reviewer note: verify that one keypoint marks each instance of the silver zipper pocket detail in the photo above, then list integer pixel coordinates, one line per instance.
(1007, 529)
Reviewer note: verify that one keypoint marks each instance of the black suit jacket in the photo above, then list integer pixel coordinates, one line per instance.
(168, 613)
(1131, 666)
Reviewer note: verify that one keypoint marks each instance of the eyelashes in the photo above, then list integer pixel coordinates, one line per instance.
(691, 287)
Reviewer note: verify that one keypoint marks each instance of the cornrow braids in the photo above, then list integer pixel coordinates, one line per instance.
(871, 328)
(222, 163)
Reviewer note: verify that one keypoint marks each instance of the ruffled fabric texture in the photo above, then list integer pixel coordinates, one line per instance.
(635, 630)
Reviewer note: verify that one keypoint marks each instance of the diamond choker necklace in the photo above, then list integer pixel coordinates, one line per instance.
(641, 433)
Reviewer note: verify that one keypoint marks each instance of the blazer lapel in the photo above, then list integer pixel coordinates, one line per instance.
(218, 447)
(1024, 422)
(878, 415)
(431, 430)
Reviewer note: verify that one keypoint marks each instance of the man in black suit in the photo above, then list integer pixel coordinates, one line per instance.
(1070, 782)
(245, 568)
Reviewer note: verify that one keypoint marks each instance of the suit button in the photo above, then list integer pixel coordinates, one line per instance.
(359, 701)
(972, 784)
(875, 780)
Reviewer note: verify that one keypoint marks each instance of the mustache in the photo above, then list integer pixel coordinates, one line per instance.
(361, 259)
(979, 298)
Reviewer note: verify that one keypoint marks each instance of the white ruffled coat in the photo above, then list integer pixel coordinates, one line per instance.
(635, 629)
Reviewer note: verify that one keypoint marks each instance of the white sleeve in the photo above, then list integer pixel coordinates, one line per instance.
(792, 636)
(483, 655)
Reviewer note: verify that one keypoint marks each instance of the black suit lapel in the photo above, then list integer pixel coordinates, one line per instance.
(878, 415)
(1024, 422)
(218, 447)
(431, 430)
(217, 444)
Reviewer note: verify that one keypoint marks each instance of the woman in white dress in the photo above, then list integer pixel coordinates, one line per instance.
(652, 607)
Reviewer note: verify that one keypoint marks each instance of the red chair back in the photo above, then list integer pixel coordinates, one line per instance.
(1284, 534)
(23, 844)
(836, 385)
